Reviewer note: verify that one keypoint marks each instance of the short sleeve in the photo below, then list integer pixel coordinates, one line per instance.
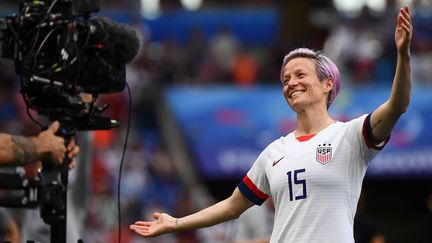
(359, 135)
(255, 185)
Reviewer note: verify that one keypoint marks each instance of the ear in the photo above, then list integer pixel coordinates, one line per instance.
(328, 85)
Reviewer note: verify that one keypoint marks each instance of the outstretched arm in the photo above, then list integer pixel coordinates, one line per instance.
(222, 211)
(384, 118)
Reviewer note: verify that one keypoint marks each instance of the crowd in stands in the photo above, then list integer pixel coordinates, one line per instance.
(363, 47)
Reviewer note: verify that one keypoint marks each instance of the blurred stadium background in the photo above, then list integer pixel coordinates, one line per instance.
(207, 100)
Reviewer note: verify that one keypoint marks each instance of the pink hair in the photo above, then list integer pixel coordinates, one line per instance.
(326, 69)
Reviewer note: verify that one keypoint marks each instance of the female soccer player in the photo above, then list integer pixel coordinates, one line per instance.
(315, 173)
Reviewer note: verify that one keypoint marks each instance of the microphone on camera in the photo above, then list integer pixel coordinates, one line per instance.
(117, 42)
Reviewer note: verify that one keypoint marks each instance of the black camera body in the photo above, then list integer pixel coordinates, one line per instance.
(60, 52)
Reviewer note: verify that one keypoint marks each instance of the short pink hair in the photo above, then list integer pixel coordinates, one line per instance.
(326, 69)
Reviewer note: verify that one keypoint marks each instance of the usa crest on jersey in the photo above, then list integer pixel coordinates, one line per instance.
(324, 153)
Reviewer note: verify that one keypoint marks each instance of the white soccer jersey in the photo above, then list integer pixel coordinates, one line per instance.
(315, 184)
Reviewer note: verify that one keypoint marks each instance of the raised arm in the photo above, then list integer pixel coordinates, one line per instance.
(222, 211)
(384, 118)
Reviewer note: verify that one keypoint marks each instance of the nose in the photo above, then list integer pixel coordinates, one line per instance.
(292, 82)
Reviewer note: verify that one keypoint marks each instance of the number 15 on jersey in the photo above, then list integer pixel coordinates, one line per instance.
(294, 181)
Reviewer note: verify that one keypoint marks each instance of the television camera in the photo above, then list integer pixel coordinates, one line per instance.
(60, 52)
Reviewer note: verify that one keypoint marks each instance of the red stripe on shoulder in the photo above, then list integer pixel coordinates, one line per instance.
(254, 189)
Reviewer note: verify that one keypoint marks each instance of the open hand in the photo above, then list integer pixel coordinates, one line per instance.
(162, 224)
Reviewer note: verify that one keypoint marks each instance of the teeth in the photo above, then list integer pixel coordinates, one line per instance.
(296, 93)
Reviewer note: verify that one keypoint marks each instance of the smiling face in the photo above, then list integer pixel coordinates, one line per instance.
(302, 87)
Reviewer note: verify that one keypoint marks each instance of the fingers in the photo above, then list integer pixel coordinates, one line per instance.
(160, 225)
(403, 20)
(54, 127)
(72, 164)
(404, 17)
(54, 146)
(406, 27)
(142, 223)
(404, 30)
(141, 227)
(72, 144)
(73, 151)
(407, 9)
(51, 148)
(143, 231)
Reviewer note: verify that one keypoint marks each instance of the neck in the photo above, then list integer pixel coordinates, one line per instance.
(312, 121)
